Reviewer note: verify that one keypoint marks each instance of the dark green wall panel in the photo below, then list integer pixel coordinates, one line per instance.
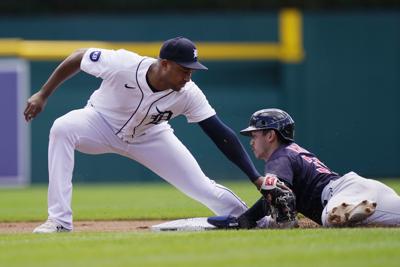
(352, 81)
(157, 27)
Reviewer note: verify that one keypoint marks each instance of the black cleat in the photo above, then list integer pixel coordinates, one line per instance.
(224, 222)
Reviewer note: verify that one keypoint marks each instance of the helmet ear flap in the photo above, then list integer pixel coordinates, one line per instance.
(287, 132)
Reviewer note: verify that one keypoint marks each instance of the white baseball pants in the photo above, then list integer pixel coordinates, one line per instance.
(86, 131)
(352, 189)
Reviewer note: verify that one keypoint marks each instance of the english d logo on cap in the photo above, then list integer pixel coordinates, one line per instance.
(182, 51)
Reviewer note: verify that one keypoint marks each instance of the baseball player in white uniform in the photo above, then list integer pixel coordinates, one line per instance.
(128, 115)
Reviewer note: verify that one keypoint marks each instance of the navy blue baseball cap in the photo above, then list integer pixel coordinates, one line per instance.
(183, 52)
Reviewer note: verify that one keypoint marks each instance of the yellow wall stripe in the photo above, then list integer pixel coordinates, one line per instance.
(291, 35)
(55, 50)
(288, 49)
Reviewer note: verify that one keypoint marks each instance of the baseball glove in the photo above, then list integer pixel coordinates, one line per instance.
(282, 202)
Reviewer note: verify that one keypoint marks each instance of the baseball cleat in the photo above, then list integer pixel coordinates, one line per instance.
(49, 227)
(347, 214)
(224, 222)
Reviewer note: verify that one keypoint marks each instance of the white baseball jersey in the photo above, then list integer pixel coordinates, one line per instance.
(126, 101)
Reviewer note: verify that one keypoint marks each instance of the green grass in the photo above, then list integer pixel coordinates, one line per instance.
(307, 247)
(112, 201)
(298, 247)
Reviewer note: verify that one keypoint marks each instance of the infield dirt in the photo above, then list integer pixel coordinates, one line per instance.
(107, 226)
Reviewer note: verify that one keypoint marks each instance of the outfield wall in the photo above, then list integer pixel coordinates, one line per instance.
(343, 93)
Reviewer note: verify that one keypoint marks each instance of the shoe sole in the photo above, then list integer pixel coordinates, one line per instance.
(348, 214)
(51, 232)
(43, 231)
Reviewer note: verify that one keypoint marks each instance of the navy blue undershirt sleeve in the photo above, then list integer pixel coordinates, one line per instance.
(228, 142)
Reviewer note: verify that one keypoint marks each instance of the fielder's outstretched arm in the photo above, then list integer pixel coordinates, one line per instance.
(228, 142)
(68, 68)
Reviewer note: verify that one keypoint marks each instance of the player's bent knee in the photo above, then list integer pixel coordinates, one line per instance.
(57, 129)
(61, 128)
